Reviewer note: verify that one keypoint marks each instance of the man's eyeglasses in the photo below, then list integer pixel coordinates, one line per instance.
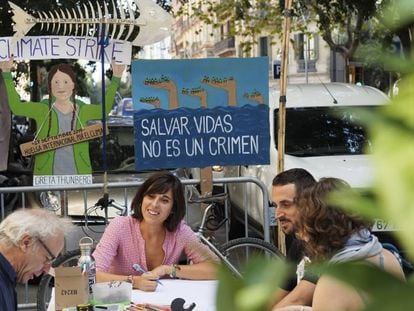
(52, 257)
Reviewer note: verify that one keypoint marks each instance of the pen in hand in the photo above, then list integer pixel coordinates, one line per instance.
(137, 267)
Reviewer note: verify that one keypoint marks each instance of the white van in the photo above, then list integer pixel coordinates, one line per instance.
(321, 137)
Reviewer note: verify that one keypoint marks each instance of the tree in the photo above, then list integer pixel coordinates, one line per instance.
(343, 24)
(398, 20)
(246, 18)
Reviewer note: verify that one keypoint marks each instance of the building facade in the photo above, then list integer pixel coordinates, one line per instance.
(310, 58)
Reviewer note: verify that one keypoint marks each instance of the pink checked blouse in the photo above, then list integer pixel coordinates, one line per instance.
(122, 245)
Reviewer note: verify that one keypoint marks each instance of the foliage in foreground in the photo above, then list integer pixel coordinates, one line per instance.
(391, 198)
(254, 291)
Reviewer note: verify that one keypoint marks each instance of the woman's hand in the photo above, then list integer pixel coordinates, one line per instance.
(7, 65)
(160, 271)
(146, 282)
(117, 69)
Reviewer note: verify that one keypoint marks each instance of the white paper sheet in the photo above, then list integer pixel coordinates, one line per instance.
(202, 293)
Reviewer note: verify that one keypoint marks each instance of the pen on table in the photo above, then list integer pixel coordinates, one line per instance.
(151, 308)
(133, 307)
(147, 307)
(136, 307)
(137, 267)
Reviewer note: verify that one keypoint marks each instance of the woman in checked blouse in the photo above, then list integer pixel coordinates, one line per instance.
(154, 237)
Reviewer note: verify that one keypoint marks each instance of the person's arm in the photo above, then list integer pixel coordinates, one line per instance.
(293, 257)
(205, 270)
(6, 65)
(277, 296)
(107, 249)
(301, 295)
(117, 71)
(285, 288)
(203, 261)
(15, 104)
(331, 294)
(146, 282)
(94, 111)
(12, 95)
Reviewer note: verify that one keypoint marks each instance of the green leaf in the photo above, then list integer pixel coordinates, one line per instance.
(356, 202)
(261, 278)
(398, 13)
(382, 287)
(227, 289)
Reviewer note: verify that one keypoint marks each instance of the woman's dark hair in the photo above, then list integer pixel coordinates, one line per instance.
(159, 183)
(67, 69)
(325, 226)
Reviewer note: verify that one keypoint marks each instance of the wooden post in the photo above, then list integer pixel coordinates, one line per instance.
(282, 106)
(206, 183)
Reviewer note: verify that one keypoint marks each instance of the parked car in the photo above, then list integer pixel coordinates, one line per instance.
(322, 136)
(123, 107)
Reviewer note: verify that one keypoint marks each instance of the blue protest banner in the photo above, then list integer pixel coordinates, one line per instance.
(199, 137)
(201, 112)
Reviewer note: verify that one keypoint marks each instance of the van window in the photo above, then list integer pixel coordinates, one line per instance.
(323, 131)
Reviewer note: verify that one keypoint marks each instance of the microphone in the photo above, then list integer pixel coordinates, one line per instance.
(178, 305)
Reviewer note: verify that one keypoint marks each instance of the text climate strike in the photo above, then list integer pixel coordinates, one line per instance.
(54, 47)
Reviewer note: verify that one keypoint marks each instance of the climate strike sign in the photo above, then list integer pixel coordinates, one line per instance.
(54, 47)
(202, 112)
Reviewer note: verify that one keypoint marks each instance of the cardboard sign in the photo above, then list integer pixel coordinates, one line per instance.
(71, 287)
(61, 140)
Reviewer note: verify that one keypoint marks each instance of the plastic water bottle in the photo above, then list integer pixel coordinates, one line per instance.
(87, 262)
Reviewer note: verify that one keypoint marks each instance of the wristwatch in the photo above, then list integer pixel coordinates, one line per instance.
(174, 269)
(130, 279)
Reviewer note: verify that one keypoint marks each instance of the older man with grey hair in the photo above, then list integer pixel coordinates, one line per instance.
(30, 240)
